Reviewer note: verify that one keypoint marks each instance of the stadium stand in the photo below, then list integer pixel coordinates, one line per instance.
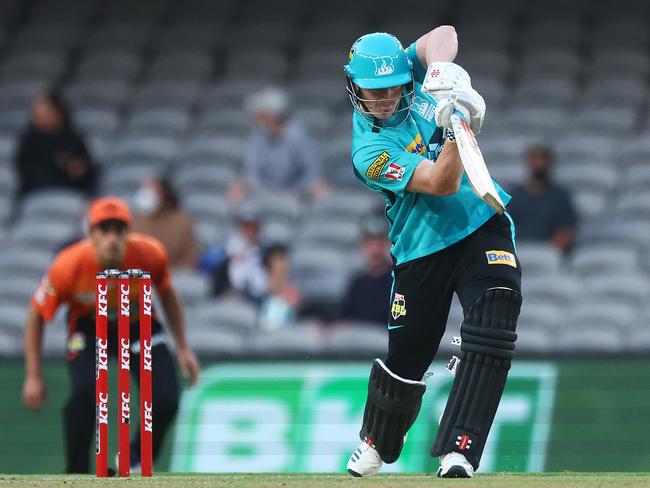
(157, 87)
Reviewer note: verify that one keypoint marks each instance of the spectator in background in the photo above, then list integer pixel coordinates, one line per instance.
(242, 270)
(280, 155)
(51, 153)
(542, 209)
(158, 214)
(282, 299)
(367, 296)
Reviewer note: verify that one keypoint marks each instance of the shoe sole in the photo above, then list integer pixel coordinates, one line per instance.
(455, 471)
(354, 473)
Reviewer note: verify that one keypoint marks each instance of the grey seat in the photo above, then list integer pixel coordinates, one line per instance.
(19, 93)
(25, 262)
(318, 121)
(226, 313)
(341, 234)
(104, 93)
(276, 32)
(192, 286)
(625, 287)
(625, 92)
(541, 91)
(533, 339)
(278, 206)
(604, 259)
(13, 316)
(591, 312)
(560, 288)
(44, 234)
(264, 63)
(594, 339)
(97, 120)
(18, 290)
(216, 149)
(295, 340)
(113, 64)
(357, 338)
(54, 204)
(214, 341)
(141, 147)
(233, 121)
(634, 205)
(198, 35)
(567, 32)
(124, 34)
(595, 177)
(13, 121)
(206, 206)
(181, 65)
(161, 121)
(541, 315)
(637, 176)
(350, 204)
(549, 63)
(167, 93)
(486, 61)
(538, 258)
(124, 180)
(42, 65)
(203, 178)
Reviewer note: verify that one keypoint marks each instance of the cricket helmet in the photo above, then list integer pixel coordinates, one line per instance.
(378, 61)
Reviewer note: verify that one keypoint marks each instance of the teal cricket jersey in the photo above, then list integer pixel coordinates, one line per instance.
(384, 160)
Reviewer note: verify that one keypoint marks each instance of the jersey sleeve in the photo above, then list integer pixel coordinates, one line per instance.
(418, 70)
(385, 166)
(51, 292)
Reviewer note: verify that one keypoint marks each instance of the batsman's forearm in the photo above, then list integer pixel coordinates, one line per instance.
(448, 170)
(441, 44)
(33, 343)
(174, 312)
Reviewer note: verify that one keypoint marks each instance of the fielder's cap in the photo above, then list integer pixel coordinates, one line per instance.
(108, 208)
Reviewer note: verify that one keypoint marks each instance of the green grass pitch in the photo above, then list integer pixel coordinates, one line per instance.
(501, 480)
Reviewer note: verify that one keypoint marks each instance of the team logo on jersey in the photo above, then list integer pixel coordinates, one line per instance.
(424, 109)
(377, 166)
(383, 65)
(416, 146)
(395, 172)
(501, 257)
(399, 306)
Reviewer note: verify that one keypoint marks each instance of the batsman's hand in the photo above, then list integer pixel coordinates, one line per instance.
(190, 366)
(442, 77)
(34, 392)
(468, 102)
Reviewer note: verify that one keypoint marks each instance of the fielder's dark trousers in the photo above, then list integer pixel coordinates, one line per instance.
(427, 286)
(79, 411)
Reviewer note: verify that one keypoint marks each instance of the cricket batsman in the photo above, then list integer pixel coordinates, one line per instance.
(71, 281)
(445, 239)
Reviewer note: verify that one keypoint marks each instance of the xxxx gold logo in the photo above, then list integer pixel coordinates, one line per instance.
(375, 169)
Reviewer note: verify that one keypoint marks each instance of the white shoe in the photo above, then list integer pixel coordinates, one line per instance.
(365, 461)
(454, 465)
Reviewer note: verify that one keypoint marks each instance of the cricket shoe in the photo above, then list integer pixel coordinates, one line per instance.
(454, 465)
(365, 461)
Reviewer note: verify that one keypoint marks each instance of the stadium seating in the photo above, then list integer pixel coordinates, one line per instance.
(157, 88)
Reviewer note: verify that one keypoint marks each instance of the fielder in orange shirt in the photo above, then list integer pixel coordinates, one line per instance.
(71, 281)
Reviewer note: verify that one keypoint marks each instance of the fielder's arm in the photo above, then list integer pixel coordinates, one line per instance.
(34, 390)
(443, 177)
(171, 303)
(441, 44)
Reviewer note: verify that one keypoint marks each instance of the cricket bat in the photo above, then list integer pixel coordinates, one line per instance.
(474, 164)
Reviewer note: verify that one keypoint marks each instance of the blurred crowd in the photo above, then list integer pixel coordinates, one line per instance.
(280, 156)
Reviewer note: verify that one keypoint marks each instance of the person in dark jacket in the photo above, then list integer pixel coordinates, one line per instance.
(51, 153)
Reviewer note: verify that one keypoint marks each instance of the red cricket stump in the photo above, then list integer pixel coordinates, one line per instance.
(101, 374)
(146, 400)
(124, 379)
